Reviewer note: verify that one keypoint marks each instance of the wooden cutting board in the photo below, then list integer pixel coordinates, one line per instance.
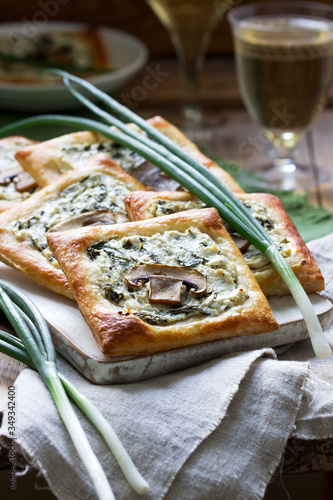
(74, 340)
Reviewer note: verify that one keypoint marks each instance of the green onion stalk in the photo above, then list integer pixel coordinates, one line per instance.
(189, 172)
(35, 348)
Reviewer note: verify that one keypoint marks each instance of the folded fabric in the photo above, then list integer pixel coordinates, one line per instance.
(164, 422)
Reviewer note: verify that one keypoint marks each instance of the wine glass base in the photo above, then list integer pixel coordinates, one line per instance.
(271, 178)
(192, 116)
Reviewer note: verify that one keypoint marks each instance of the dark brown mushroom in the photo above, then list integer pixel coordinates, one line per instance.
(241, 243)
(98, 217)
(9, 174)
(167, 283)
(23, 180)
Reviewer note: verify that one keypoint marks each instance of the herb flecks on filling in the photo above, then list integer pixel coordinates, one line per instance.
(113, 258)
(93, 192)
(77, 155)
(165, 207)
(253, 257)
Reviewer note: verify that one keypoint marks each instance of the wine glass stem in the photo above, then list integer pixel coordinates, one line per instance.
(284, 161)
(190, 62)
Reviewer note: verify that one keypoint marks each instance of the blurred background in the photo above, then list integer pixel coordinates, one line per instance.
(219, 86)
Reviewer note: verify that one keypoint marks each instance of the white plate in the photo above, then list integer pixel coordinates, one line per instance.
(127, 53)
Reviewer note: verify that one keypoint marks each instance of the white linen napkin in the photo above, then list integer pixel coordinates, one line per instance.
(228, 414)
(213, 431)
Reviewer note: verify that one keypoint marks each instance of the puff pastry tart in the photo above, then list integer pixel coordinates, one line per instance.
(269, 211)
(161, 283)
(15, 184)
(85, 196)
(52, 158)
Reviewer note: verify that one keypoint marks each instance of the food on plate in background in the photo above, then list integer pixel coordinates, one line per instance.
(21, 59)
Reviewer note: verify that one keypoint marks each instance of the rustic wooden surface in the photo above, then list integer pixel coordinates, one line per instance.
(228, 127)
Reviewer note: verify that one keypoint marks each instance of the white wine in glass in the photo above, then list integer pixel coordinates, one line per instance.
(284, 60)
(190, 24)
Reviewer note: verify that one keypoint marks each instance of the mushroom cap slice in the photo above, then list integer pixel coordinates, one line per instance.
(165, 290)
(167, 283)
(241, 243)
(101, 216)
(23, 180)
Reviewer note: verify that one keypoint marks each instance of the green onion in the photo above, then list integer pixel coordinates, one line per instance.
(30, 349)
(191, 174)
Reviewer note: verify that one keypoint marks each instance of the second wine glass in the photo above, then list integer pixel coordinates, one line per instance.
(284, 60)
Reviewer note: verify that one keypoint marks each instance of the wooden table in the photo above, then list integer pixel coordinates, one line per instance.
(229, 127)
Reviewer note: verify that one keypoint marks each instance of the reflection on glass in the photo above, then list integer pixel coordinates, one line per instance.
(284, 59)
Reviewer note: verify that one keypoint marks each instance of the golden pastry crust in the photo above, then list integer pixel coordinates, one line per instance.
(22, 228)
(179, 138)
(84, 52)
(118, 327)
(9, 195)
(47, 161)
(294, 250)
(52, 158)
(144, 205)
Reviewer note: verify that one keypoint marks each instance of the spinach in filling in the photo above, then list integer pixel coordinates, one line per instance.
(124, 157)
(192, 248)
(166, 207)
(9, 192)
(8, 189)
(253, 257)
(94, 192)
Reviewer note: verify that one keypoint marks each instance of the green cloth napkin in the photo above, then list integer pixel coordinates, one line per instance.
(311, 221)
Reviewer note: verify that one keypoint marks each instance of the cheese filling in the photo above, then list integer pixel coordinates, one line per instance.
(160, 207)
(112, 259)
(76, 156)
(94, 192)
(253, 257)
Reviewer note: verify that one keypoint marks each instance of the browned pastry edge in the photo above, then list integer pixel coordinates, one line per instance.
(119, 334)
(271, 283)
(301, 260)
(179, 138)
(5, 204)
(24, 257)
(44, 164)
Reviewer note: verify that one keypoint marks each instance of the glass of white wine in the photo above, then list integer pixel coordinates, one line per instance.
(190, 24)
(284, 61)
